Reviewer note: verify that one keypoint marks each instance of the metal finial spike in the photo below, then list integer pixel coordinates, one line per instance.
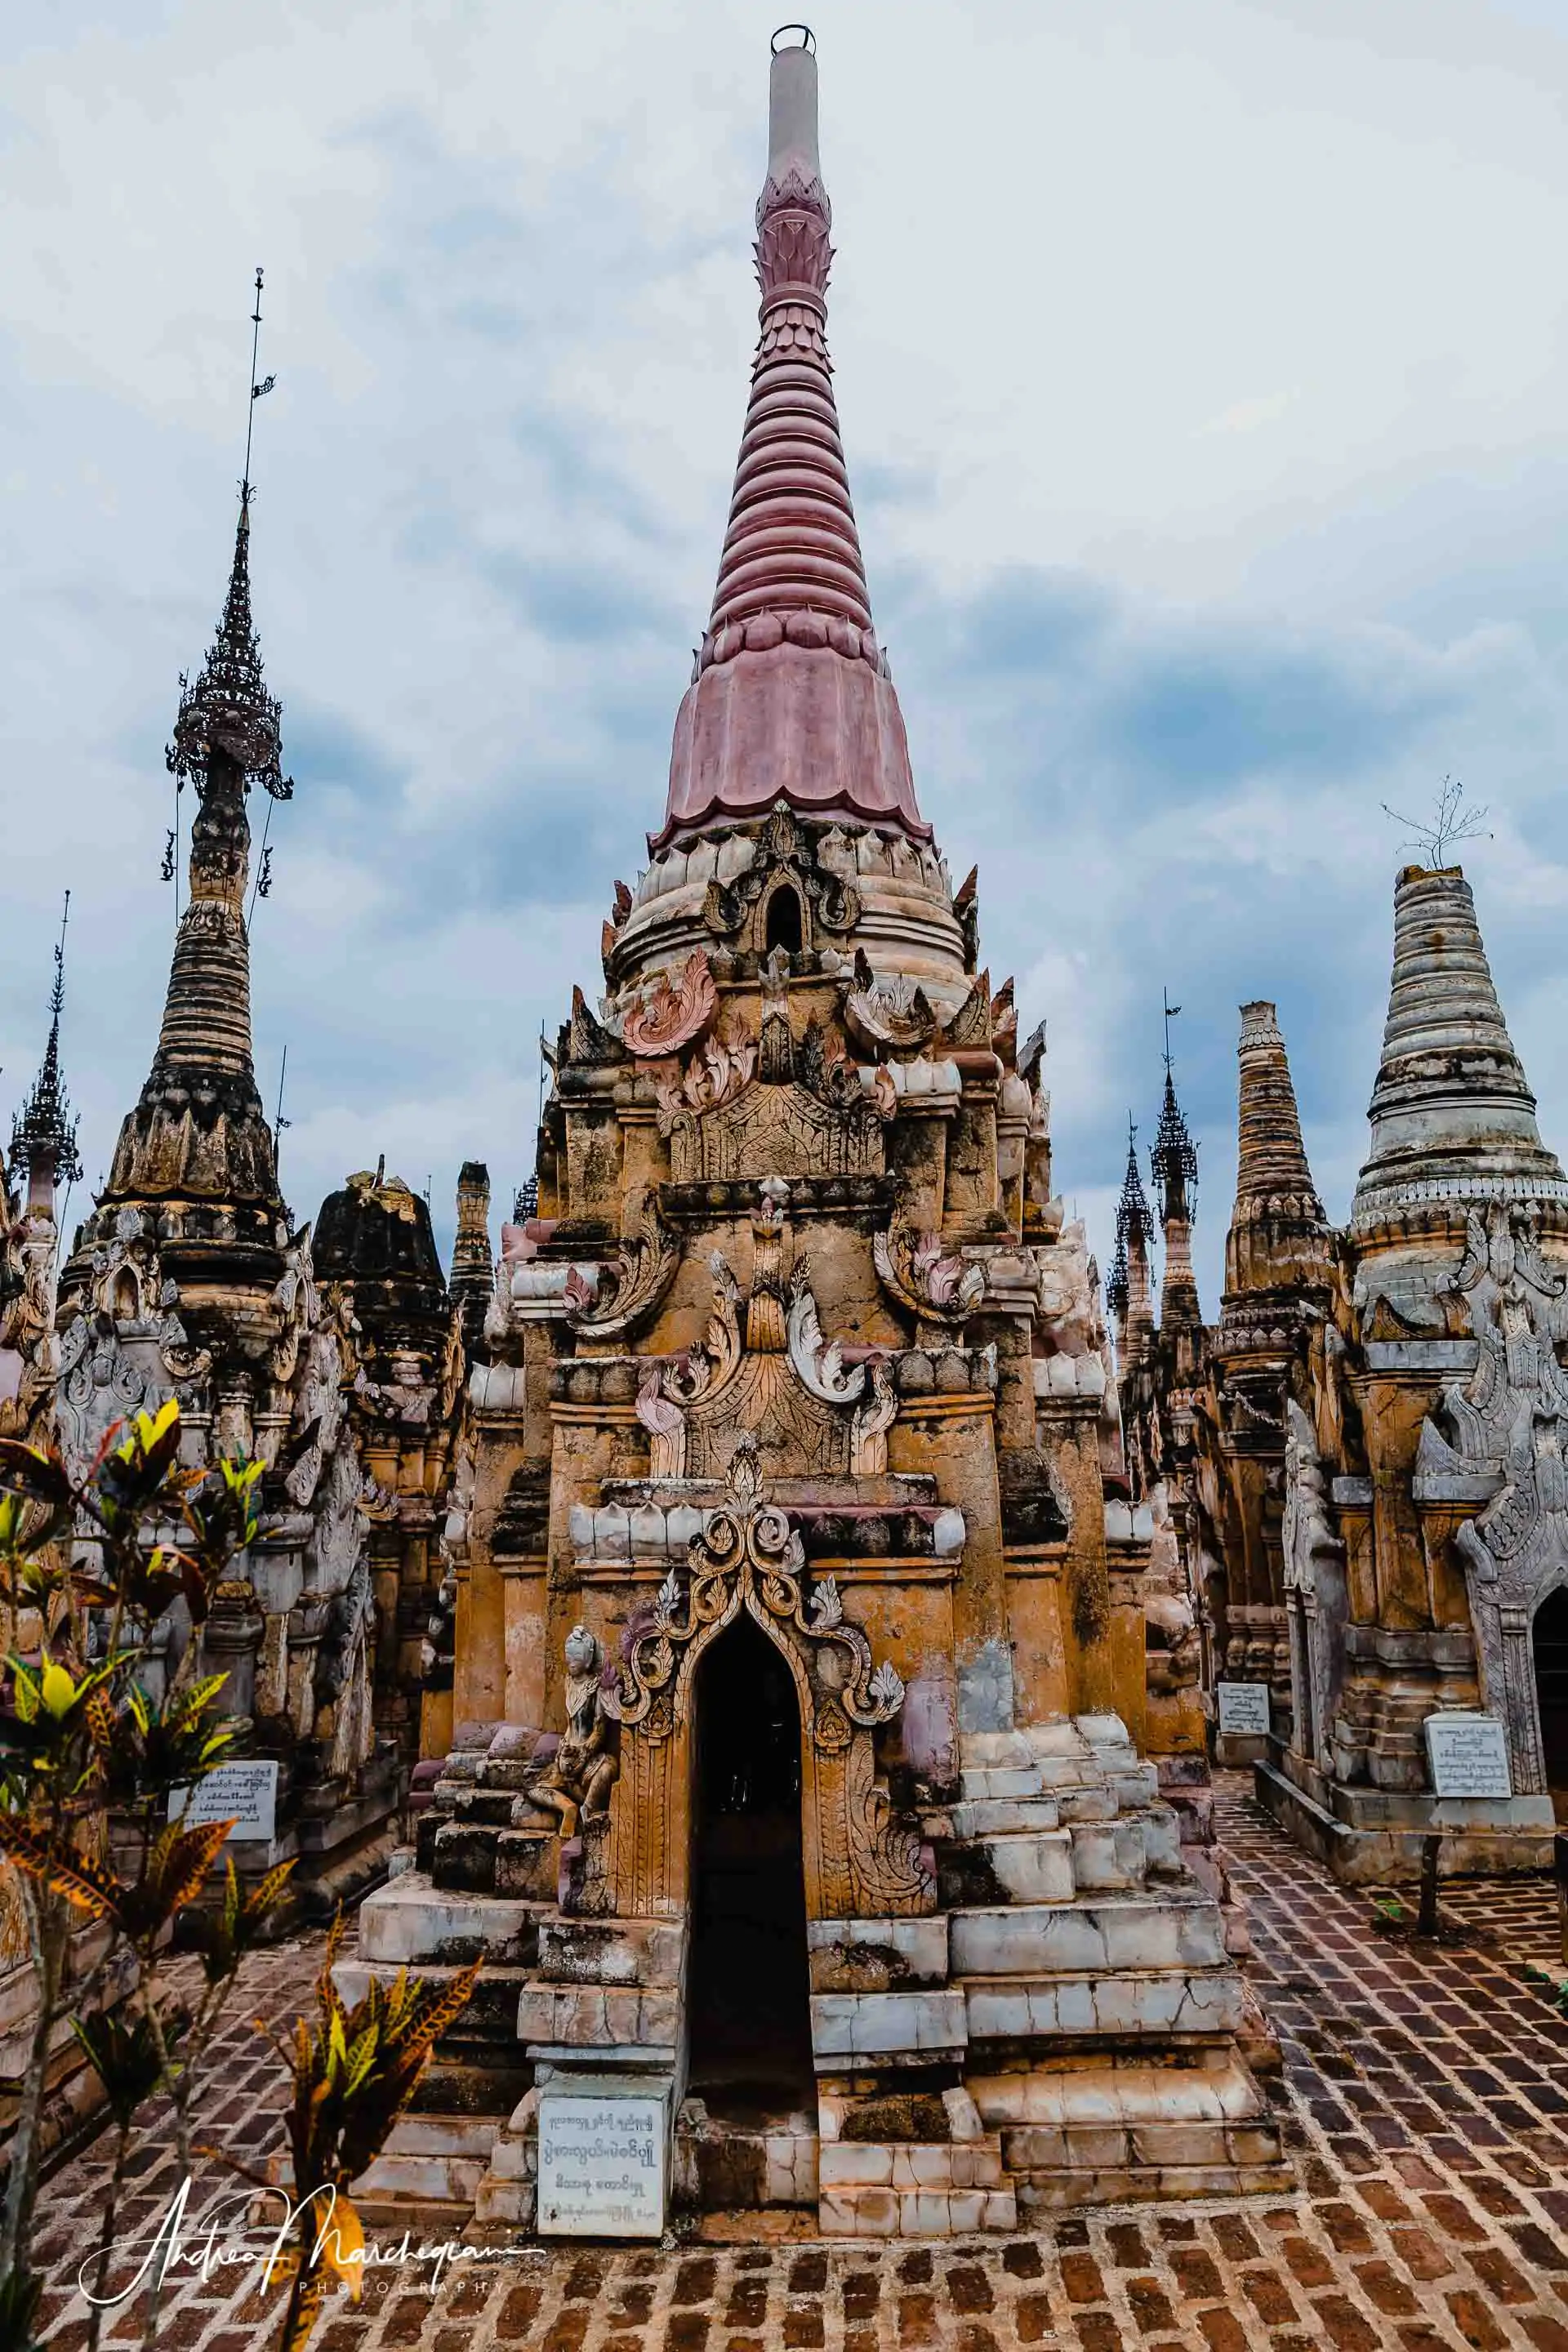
(278, 1122)
(1170, 1012)
(57, 996)
(259, 387)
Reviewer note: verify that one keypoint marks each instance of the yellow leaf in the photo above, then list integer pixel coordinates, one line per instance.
(340, 2246)
(56, 1689)
(164, 1420)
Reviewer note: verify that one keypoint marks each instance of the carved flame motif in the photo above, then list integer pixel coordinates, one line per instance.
(714, 1076)
(669, 1017)
(936, 1288)
(818, 1362)
(631, 1287)
(894, 1012)
(748, 1556)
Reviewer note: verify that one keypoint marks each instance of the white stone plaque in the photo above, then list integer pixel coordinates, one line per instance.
(1468, 1755)
(245, 1790)
(1243, 1707)
(600, 2165)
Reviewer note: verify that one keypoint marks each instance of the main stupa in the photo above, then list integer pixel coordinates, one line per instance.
(792, 1786)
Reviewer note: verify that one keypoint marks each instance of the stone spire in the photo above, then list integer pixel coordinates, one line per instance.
(791, 697)
(43, 1134)
(1173, 1163)
(1278, 1235)
(1130, 1292)
(1453, 1121)
(473, 1270)
(199, 1130)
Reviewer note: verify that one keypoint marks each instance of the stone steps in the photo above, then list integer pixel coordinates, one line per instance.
(1119, 1854)
(935, 2186)
(992, 1816)
(1174, 1928)
(1162, 2001)
(412, 1921)
(850, 2029)
(1127, 2129)
(1013, 1866)
(978, 1783)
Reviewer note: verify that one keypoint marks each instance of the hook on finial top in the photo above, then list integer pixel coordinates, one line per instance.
(808, 43)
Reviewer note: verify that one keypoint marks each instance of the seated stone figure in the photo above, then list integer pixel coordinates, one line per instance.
(575, 1783)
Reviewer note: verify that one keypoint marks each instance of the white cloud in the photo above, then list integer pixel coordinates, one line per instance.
(1158, 678)
(1247, 416)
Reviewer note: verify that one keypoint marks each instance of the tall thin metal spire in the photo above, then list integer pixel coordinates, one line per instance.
(259, 388)
(199, 1131)
(1170, 1012)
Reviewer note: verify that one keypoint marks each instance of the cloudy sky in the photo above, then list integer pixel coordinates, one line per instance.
(1203, 373)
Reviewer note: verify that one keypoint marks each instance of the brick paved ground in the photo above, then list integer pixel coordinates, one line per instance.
(1425, 2104)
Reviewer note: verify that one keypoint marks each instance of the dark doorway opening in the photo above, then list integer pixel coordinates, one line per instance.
(784, 924)
(1552, 1693)
(748, 1987)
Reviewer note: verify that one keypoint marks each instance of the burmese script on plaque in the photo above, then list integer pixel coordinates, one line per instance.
(601, 2167)
(1468, 1755)
(244, 1792)
(1243, 1707)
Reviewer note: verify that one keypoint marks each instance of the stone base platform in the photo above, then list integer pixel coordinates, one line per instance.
(1374, 1837)
(1066, 2028)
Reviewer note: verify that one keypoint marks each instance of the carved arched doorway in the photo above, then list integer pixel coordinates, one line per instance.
(747, 2002)
(1550, 1649)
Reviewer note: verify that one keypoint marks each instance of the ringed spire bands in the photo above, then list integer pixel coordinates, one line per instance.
(791, 697)
(1453, 1117)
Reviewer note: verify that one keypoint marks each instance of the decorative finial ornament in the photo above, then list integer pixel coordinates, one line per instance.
(1174, 1164)
(43, 1133)
(1170, 1012)
(229, 710)
(1173, 1160)
(1134, 1227)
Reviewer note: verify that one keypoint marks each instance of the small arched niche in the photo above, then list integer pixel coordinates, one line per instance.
(783, 923)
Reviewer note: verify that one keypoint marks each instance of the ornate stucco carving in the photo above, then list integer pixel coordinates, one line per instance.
(670, 1015)
(777, 1129)
(1316, 1596)
(936, 1288)
(574, 1782)
(28, 1353)
(894, 1012)
(714, 1076)
(1501, 1478)
(747, 1556)
(784, 850)
(629, 1289)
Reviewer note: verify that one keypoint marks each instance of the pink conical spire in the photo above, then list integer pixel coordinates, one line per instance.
(792, 698)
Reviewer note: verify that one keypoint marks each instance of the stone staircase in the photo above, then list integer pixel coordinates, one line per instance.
(1092, 1938)
(1061, 2030)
